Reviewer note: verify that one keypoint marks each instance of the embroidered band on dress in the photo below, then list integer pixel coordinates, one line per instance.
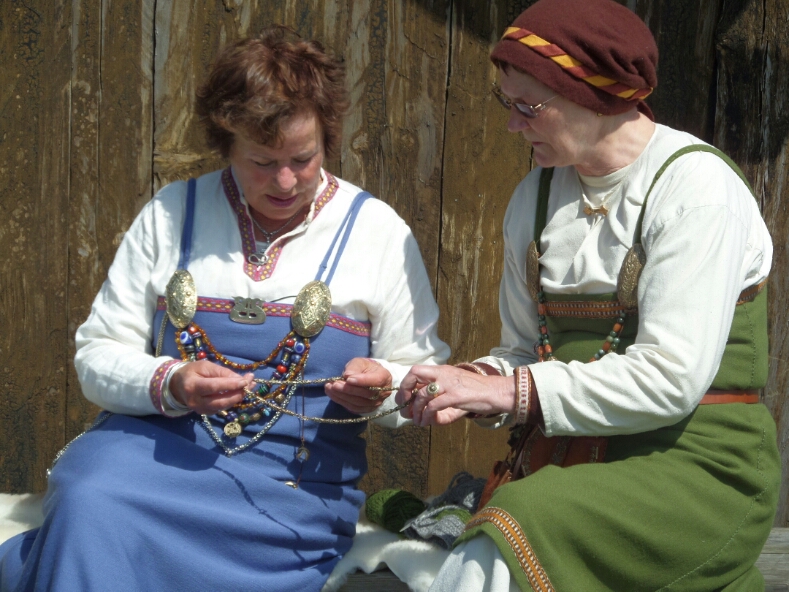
(360, 328)
(517, 541)
(264, 271)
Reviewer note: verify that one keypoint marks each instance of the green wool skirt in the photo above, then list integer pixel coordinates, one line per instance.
(686, 507)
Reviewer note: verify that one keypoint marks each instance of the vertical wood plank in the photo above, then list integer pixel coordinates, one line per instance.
(393, 147)
(685, 34)
(35, 93)
(111, 153)
(752, 126)
(482, 165)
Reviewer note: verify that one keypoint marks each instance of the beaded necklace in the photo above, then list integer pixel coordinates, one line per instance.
(288, 359)
(543, 346)
(626, 288)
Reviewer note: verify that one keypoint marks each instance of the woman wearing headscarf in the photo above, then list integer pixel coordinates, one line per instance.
(634, 336)
(232, 300)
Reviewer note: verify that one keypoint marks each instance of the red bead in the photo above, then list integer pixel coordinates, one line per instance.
(544, 330)
(282, 369)
(548, 350)
(617, 327)
(541, 309)
(290, 342)
(192, 330)
(201, 355)
(606, 346)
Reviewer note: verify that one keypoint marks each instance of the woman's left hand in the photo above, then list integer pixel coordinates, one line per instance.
(457, 393)
(353, 392)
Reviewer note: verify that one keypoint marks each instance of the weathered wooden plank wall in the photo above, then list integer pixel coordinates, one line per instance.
(96, 114)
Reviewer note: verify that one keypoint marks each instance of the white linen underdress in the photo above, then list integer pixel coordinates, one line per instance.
(380, 279)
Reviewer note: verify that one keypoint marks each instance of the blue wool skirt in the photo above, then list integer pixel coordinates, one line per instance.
(152, 503)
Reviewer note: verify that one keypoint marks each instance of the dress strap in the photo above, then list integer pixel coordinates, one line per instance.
(672, 158)
(542, 204)
(345, 230)
(186, 233)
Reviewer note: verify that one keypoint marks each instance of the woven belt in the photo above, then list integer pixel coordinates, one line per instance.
(717, 397)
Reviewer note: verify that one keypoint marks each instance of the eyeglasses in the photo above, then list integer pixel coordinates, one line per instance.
(528, 111)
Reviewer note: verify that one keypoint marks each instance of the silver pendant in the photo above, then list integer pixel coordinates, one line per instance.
(248, 311)
(311, 309)
(181, 298)
(259, 258)
(302, 454)
(233, 429)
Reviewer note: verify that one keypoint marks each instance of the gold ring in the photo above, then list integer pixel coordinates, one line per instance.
(432, 389)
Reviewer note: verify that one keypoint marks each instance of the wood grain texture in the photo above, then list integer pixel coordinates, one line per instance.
(35, 43)
(396, 58)
(685, 96)
(752, 126)
(111, 151)
(774, 560)
(482, 165)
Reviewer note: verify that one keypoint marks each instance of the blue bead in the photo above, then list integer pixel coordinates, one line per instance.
(267, 411)
(299, 347)
(276, 376)
(232, 415)
(295, 359)
(184, 337)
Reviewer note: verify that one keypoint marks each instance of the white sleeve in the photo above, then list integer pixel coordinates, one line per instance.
(699, 220)
(114, 360)
(404, 314)
(518, 312)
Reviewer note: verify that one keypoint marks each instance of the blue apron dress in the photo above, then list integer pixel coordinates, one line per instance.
(153, 503)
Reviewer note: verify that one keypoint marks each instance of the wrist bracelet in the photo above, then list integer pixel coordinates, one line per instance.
(170, 402)
(523, 387)
(471, 367)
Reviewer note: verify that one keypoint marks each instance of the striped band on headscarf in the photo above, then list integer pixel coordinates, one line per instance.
(573, 66)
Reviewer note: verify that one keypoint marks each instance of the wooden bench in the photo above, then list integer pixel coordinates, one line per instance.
(773, 563)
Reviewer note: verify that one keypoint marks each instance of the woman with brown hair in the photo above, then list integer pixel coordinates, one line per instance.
(634, 336)
(226, 459)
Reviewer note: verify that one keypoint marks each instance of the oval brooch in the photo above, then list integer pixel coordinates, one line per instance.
(181, 298)
(311, 309)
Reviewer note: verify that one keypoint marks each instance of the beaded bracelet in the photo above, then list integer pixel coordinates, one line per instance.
(523, 388)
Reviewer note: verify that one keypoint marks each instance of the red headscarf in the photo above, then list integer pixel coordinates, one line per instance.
(596, 53)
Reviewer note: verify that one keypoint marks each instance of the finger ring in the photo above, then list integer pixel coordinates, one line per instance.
(432, 389)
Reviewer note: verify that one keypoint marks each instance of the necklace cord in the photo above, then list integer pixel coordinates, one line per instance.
(303, 417)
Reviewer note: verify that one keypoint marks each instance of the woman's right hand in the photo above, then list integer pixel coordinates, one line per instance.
(206, 387)
(458, 392)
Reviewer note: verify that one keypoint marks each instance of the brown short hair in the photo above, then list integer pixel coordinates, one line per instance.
(257, 84)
